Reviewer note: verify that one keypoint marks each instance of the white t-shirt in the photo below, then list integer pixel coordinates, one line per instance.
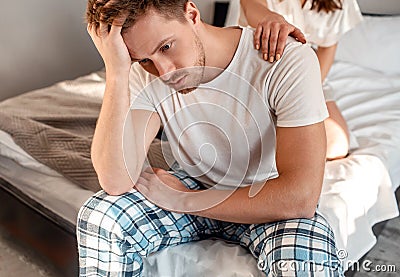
(320, 28)
(224, 131)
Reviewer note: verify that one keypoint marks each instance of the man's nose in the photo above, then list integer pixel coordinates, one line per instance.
(164, 69)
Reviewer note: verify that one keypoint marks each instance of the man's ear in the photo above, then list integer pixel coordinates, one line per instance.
(192, 13)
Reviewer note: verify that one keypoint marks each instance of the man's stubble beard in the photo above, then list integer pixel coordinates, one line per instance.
(199, 65)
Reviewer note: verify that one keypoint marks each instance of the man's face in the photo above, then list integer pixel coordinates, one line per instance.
(168, 49)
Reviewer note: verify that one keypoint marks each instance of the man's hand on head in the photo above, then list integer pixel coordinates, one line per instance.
(271, 35)
(111, 46)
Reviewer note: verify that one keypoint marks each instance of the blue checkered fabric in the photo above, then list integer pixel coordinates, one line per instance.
(115, 233)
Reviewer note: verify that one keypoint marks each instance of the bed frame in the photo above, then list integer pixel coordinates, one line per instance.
(50, 237)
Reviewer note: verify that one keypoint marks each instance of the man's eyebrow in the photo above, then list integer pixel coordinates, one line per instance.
(155, 49)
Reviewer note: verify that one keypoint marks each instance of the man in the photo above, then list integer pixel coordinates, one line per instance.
(214, 95)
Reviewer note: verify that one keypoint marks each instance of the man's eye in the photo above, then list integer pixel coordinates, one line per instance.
(144, 61)
(165, 47)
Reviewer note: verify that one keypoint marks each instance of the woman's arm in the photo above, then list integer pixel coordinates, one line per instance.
(337, 131)
(326, 57)
(272, 29)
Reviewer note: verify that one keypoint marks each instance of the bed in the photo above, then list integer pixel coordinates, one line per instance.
(358, 191)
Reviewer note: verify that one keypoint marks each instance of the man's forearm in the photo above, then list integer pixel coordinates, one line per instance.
(107, 148)
(276, 200)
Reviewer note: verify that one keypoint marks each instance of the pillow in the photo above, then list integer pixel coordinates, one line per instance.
(382, 7)
(374, 43)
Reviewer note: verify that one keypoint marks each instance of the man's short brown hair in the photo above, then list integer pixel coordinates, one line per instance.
(106, 11)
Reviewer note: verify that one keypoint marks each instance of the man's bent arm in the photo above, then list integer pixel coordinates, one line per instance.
(121, 140)
(300, 161)
(140, 126)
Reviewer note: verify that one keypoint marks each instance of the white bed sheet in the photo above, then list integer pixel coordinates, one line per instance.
(359, 191)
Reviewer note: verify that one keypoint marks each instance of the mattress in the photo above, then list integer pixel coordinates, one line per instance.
(358, 191)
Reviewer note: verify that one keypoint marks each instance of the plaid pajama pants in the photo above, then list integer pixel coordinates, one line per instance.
(115, 232)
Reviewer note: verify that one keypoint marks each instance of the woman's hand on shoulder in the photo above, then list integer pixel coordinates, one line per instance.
(271, 35)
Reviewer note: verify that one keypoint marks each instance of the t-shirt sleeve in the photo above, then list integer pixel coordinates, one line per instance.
(295, 90)
(140, 90)
(329, 27)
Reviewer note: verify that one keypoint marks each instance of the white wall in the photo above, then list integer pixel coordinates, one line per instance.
(45, 41)
(206, 8)
(385, 7)
(42, 42)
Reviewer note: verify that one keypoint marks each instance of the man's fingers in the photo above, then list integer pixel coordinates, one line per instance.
(92, 31)
(115, 29)
(145, 175)
(149, 170)
(141, 185)
(89, 29)
(103, 29)
(120, 19)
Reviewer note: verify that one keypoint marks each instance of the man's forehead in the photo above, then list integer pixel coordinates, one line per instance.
(149, 31)
(149, 47)
(148, 24)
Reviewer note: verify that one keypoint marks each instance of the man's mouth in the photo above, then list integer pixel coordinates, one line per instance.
(177, 82)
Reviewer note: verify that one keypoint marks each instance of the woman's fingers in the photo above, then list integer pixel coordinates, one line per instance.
(271, 35)
(264, 42)
(269, 41)
(281, 43)
(298, 34)
(273, 41)
(257, 36)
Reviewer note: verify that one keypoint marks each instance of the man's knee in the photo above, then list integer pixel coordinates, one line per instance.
(299, 246)
(106, 212)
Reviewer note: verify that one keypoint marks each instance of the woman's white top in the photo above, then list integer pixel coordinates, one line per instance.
(320, 28)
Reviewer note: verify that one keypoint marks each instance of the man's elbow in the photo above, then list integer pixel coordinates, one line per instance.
(308, 211)
(302, 211)
(114, 187)
(305, 204)
(114, 184)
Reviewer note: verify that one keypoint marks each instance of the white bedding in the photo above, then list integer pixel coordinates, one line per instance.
(358, 191)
